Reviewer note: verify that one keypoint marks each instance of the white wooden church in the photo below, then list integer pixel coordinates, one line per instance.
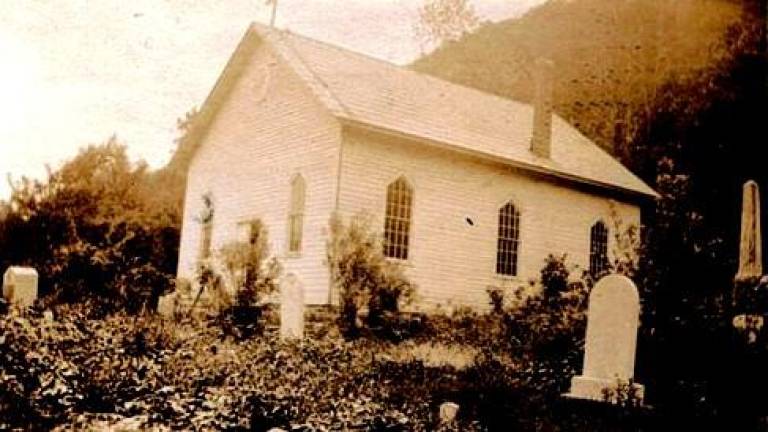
(469, 190)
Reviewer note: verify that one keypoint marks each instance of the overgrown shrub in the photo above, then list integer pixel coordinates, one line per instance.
(496, 298)
(627, 246)
(554, 275)
(466, 327)
(363, 277)
(211, 287)
(93, 231)
(77, 371)
(546, 328)
(624, 394)
(249, 267)
(239, 279)
(52, 370)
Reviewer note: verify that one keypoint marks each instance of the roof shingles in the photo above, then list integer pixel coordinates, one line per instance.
(369, 91)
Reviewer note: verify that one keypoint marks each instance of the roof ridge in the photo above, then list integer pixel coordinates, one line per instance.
(314, 75)
(460, 127)
(400, 68)
(328, 44)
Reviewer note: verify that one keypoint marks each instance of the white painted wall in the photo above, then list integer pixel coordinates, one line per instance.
(258, 141)
(452, 262)
(261, 138)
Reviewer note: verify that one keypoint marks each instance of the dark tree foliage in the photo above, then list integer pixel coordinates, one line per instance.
(692, 248)
(677, 90)
(92, 231)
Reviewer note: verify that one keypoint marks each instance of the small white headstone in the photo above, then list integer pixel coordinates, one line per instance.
(448, 412)
(609, 352)
(291, 308)
(20, 285)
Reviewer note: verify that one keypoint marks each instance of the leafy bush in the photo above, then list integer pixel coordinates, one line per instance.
(554, 275)
(627, 246)
(624, 393)
(92, 231)
(465, 327)
(184, 376)
(364, 278)
(546, 329)
(54, 369)
(246, 270)
(496, 297)
(211, 287)
(249, 268)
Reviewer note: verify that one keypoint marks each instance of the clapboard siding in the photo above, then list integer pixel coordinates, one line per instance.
(256, 143)
(262, 135)
(451, 261)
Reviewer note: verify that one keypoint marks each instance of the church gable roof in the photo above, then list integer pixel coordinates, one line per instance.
(362, 90)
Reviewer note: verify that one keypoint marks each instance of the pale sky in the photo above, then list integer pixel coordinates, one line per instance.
(74, 72)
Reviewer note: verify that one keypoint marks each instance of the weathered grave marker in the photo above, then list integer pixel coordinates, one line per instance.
(448, 412)
(747, 292)
(750, 247)
(165, 304)
(291, 308)
(20, 285)
(609, 352)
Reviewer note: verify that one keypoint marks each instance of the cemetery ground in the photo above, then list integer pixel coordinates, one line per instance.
(83, 370)
(90, 356)
(560, 354)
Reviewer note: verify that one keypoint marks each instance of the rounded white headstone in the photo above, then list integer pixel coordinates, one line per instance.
(613, 318)
(611, 341)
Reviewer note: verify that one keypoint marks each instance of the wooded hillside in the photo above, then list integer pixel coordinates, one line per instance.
(615, 60)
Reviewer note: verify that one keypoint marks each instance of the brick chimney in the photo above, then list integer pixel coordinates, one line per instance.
(541, 139)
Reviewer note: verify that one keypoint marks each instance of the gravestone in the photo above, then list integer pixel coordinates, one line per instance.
(165, 304)
(448, 412)
(609, 352)
(20, 285)
(750, 246)
(747, 294)
(291, 308)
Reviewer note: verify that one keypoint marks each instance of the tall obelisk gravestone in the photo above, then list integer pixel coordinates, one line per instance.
(743, 373)
(748, 295)
(750, 247)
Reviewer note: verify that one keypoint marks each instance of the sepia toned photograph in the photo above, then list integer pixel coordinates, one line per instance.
(383, 215)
